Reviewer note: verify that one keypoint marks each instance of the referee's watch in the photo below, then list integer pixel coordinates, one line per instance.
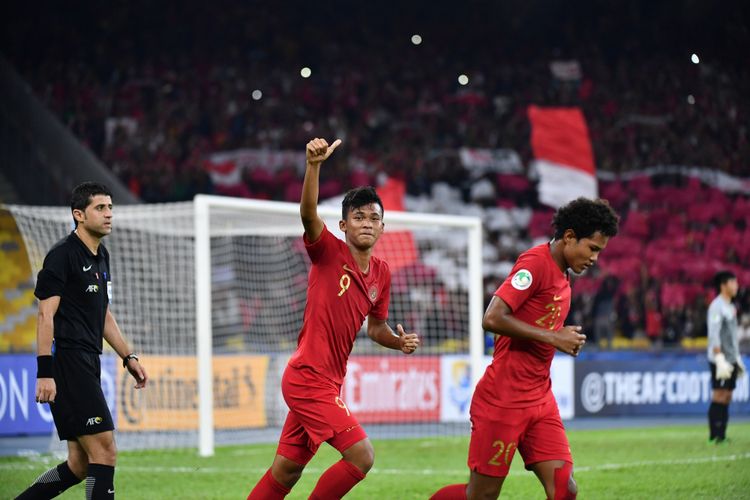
(128, 358)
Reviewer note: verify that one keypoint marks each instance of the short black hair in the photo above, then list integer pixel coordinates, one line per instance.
(585, 217)
(82, 194)
(722, 277)
(359, 197)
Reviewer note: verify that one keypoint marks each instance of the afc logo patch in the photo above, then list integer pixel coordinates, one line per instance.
(373, 293)
(94, 421)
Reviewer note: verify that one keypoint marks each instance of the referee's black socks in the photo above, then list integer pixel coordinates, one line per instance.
(50, 484)
(100, 482)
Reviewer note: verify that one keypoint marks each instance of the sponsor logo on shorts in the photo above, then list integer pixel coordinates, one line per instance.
(94, 421)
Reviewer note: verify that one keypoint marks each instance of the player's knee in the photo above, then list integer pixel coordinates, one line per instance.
(110, 452)
(565, 487)
(365, 459)
(483, 493)
(483, 487)
(78, 465)
(362, 455)
(286, 471)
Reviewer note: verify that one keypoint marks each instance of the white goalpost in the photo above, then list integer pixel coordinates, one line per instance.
(211, 295)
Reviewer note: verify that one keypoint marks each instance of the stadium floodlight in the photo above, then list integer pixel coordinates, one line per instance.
(463, 79)
(305, 72)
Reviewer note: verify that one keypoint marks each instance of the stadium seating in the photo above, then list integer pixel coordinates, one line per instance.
(17, 302)
(153, 117)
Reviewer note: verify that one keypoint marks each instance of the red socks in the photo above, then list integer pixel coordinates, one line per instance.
(268, 489)
(452, 492)
(565, 486)
(337, 481)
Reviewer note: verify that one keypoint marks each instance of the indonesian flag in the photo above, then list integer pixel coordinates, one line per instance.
(224, 173)
(563, 156)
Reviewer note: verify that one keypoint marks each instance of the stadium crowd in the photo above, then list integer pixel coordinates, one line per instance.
(153, 103)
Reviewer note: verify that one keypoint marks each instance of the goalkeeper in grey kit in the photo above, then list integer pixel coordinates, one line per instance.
(723, 353)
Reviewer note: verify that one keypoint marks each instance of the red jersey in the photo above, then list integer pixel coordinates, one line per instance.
(538, 293)
(339, 298)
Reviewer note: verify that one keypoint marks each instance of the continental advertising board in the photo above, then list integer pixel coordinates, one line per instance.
(170, 402)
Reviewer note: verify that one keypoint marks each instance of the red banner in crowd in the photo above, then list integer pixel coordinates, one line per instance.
(564, 156)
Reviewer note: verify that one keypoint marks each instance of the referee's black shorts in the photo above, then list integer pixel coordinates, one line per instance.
(729, 383)
(79, 408)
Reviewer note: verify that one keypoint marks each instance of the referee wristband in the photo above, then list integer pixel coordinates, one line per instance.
(44, 367)
(128, 358)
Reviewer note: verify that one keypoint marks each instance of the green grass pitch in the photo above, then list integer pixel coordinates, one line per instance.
(667, 462)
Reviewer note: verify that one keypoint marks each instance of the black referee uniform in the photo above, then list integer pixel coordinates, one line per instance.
(81, 280)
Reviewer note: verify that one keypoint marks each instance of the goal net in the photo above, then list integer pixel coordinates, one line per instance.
(211, 295)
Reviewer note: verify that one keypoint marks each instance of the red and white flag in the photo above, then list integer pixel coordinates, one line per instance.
(564, 159)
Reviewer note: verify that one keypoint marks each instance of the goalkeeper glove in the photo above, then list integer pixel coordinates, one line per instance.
(723, 368)
(741, 366)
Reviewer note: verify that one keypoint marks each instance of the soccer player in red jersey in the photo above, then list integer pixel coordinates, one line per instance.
(513, 407)
(346, 285)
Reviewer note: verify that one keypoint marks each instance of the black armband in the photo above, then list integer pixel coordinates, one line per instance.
(44, 367)
(128, 358)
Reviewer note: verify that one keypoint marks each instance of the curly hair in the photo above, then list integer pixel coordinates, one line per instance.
(585, 217)
(359, 197)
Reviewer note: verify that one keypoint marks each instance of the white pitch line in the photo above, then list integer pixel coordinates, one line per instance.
(400, 472)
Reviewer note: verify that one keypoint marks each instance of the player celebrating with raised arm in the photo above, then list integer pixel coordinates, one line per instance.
(724, 356)
(346, 285)
(513, 406)
(73, 289)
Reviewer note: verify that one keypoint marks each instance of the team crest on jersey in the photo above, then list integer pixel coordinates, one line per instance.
(522, 279)
(373, 293)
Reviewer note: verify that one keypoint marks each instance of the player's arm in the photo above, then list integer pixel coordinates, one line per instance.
(713, 325)
(724, 368)
(316, 152)
(46, 390)
(499, 319)
(379, 331)
(113, 336)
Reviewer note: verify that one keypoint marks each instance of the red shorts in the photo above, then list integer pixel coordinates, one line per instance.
(537, 432)
(316, 414)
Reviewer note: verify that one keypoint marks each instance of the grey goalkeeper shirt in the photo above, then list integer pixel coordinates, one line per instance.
(722, 329)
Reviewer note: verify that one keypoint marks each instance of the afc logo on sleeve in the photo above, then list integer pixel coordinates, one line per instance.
(522, 279)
